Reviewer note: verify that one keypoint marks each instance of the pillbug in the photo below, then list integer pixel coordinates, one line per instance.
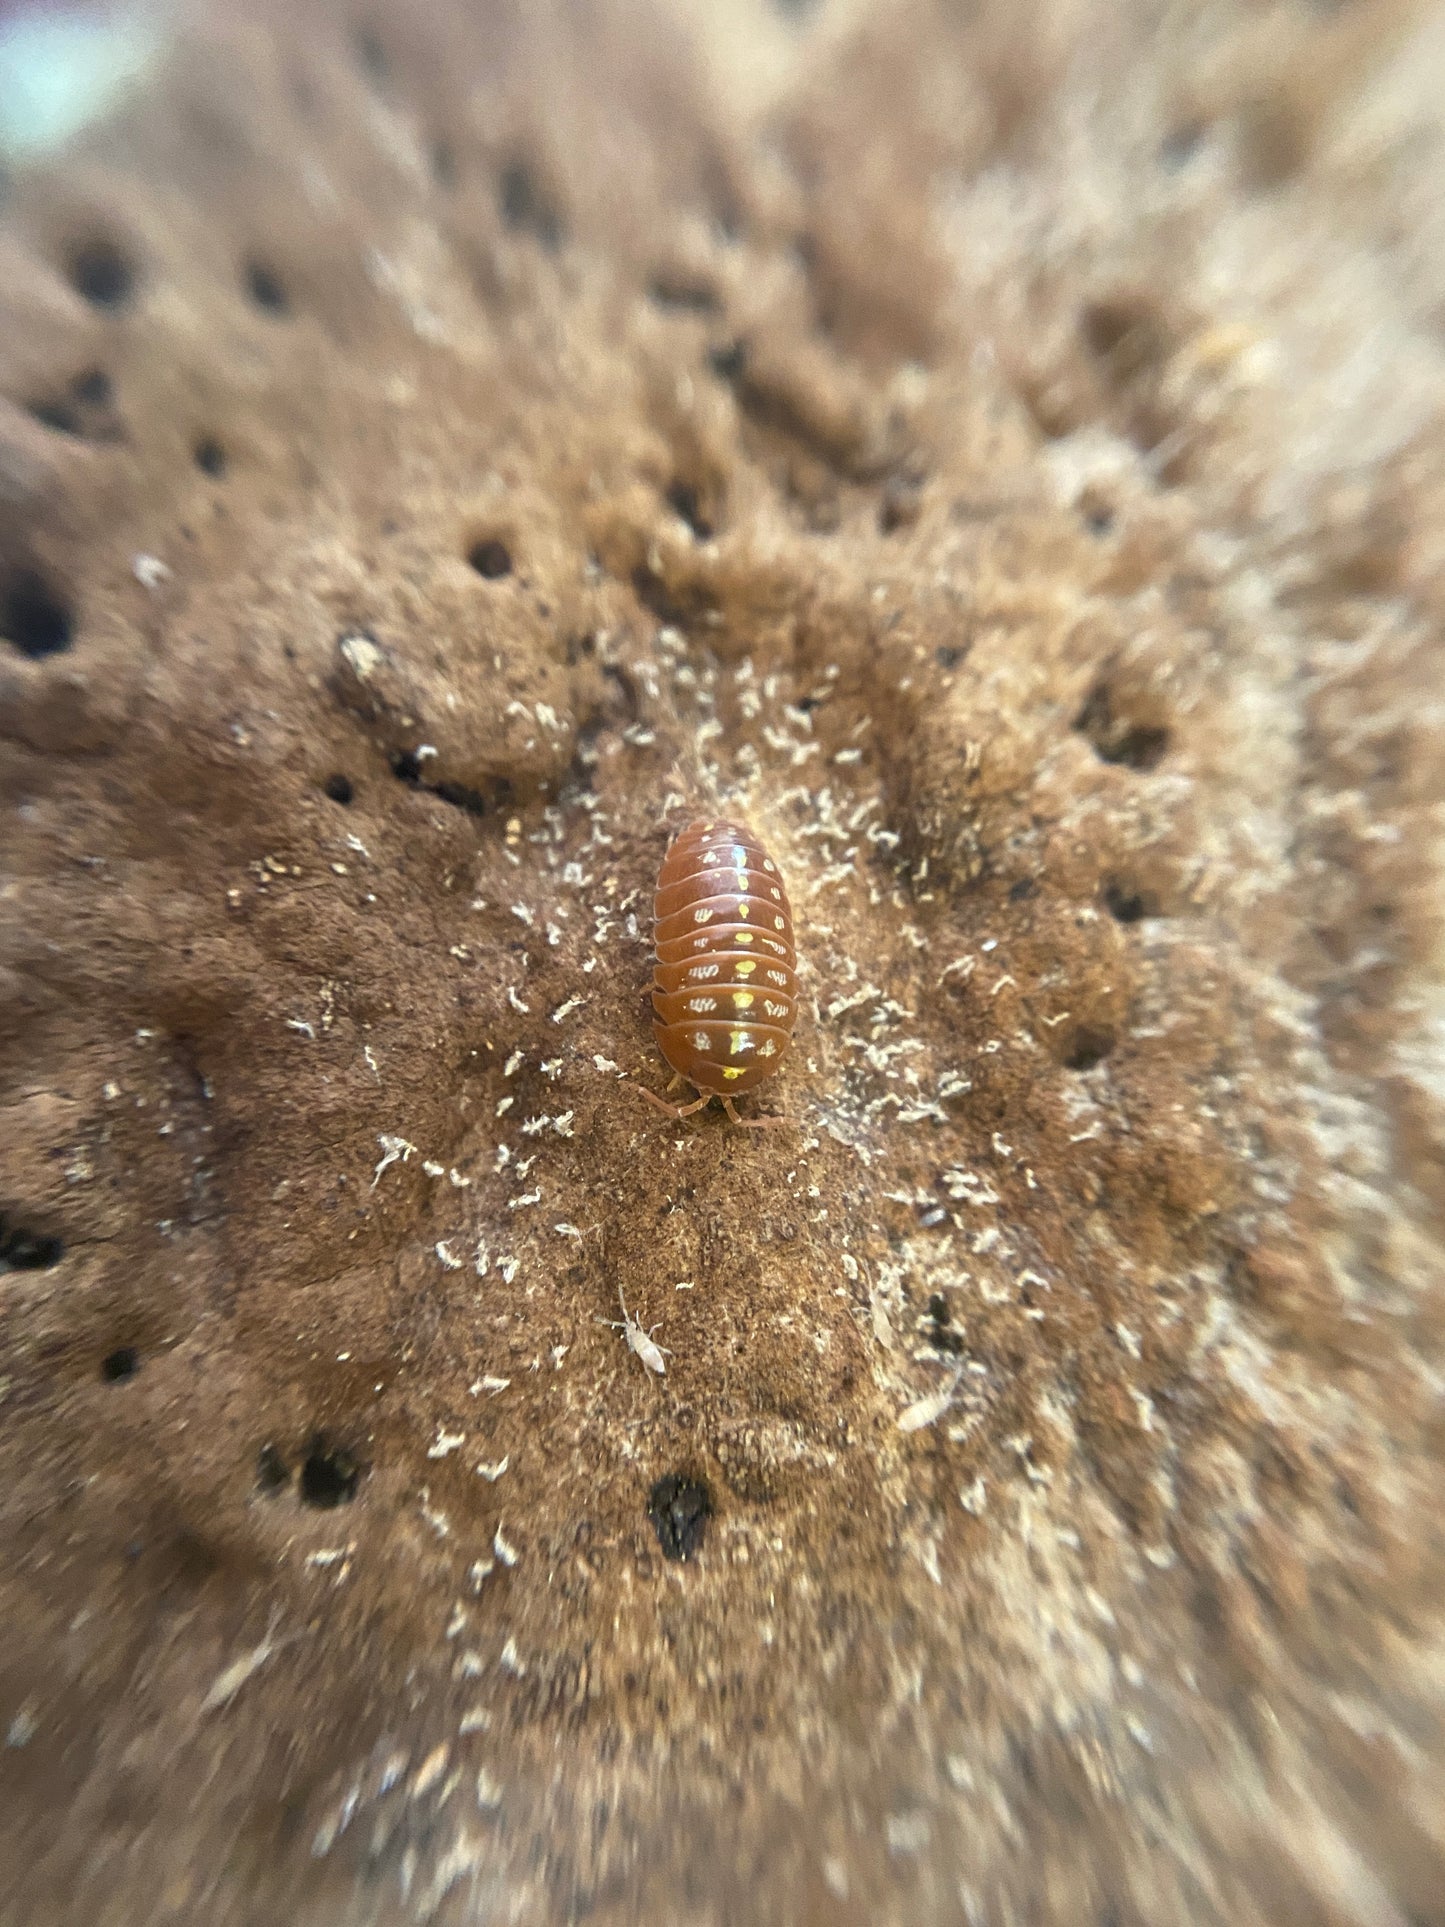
(724, 983)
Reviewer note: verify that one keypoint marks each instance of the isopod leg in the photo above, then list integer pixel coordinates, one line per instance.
(756, 1123)
(672, 1110)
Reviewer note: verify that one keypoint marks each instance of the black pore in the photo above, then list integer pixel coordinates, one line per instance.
(528, 207)
(58, 415)
(1089, 1045)
(22, 1250)
(93, 388)
(329, 1475)
(101, 274)
(678, 1508)
(1126, 904)
(406, 767)
(685, 501)
(461, 796)
(32, 616)
(123, 1362)
(491, 558)
(266, 288)
(729, 361)
(1136, 742)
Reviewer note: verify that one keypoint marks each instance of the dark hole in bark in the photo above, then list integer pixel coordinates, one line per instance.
(679, 1508)
(33, 618)
(329, 1475)
(101, 273)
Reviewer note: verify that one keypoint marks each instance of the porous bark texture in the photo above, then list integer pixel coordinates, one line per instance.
(997, 452)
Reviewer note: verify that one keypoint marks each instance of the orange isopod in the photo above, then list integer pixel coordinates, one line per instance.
(725, 982)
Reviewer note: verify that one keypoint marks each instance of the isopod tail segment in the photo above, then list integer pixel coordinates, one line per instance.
(724, 982)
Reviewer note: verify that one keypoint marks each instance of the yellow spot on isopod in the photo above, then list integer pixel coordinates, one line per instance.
(747, 965)
(742, 999)
(743, 911)
(742, 1040)
(743, 938)
(731, 1070)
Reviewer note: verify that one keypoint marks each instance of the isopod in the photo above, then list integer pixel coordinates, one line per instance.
(724, 983)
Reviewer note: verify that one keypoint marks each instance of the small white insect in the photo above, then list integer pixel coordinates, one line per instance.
(638, 1340)
(226, 1685)
(929, 1409)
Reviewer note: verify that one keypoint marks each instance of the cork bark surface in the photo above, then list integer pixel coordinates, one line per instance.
(445, 448)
